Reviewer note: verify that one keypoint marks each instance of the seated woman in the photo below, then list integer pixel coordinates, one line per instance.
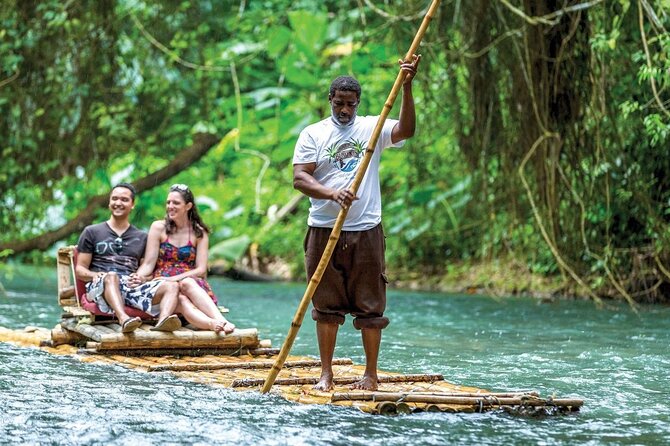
(177, 249)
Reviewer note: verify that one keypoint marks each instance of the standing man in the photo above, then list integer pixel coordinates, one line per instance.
(109, 255)
(327, 156)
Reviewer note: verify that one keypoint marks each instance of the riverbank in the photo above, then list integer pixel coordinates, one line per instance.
(496, 279)
(499, 278)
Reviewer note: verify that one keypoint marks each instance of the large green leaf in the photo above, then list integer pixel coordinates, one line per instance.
(309, 28)
(278, 39)
(231, 249)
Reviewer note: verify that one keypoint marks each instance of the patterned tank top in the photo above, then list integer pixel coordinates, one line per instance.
(174, 260)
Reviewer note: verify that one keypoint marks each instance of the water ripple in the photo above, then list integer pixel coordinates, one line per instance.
(615, 360)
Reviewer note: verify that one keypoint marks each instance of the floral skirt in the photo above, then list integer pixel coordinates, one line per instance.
(139, 297)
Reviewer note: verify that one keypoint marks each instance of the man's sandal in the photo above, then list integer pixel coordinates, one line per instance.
(170, 323)
(131, 324)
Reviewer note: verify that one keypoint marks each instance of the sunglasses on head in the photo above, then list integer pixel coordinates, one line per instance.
(179, 186)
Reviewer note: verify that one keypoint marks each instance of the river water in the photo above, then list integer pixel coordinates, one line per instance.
(614, 359)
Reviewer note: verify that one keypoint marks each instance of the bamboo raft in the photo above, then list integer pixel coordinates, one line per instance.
(241, 361)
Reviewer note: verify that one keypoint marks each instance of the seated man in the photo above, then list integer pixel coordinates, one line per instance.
(109, 254)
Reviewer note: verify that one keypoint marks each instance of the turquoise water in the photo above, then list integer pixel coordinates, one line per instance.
(615, 360)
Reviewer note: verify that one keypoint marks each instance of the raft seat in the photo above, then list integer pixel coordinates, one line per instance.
(84, 324)
(92, 307)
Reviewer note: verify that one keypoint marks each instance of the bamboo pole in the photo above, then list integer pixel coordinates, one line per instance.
(73, 268)
(87, 330)
(403, 396)
(109, 339)
(403, 408)
(335, 234)
(94, 349)
(192, 367)
(66, 293)
(386, 408)
(344, 380)
(60, 335)
(483, 400)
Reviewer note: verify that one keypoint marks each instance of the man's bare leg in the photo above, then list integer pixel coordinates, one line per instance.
(326, 334)
(113, 297)
(372, 338)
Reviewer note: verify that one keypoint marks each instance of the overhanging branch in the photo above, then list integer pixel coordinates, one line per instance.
(202, 143)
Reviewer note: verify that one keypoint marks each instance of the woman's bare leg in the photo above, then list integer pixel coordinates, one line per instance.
(204, 303)
(196, 317)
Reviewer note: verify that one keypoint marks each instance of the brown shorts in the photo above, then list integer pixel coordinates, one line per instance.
(354, 281)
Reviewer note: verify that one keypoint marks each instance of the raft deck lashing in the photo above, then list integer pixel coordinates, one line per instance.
(233, 361)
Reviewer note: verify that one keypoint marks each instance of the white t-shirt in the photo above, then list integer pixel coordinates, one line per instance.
(338, 152)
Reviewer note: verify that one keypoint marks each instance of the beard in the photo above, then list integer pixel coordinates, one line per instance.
(343, 124)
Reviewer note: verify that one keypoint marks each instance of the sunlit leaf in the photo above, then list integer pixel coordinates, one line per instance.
(309, 28)
(231, 249)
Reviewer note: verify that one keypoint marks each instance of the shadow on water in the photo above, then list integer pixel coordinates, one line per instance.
(615, 360)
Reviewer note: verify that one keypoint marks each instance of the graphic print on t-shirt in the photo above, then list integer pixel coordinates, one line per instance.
(346, 156)
(114, 246)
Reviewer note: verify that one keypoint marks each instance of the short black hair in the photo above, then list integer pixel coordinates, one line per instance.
(128, 186)
(345, 83)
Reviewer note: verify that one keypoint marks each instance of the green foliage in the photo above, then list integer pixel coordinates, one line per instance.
(231, 249)
(96, 92)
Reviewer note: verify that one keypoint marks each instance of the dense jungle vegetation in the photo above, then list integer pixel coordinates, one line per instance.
(542, 144)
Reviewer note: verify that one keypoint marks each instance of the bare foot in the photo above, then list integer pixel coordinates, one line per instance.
(367, 383)
(222, 326)
(325, 384)
(228, 327)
